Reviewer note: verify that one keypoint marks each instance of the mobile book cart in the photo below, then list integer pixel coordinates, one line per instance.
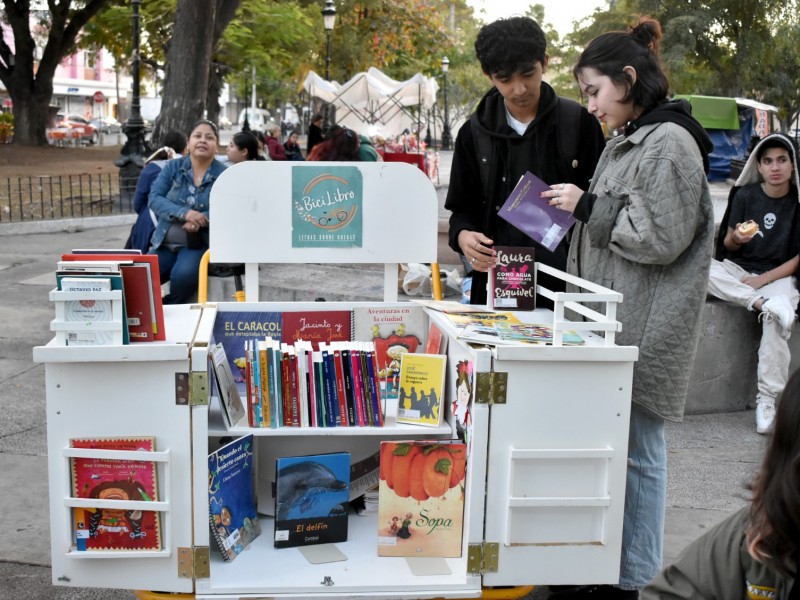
(545, 483)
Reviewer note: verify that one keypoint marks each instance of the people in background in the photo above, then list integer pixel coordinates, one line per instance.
(145, 225)
(755, 552)
(262, 145)
(273, 142)
(520, 125)
(366, 150)
(644, 229)
(292, 148)
(314, 133)
(756, 269)
(342, 144)
(180, 198)
(243, 146)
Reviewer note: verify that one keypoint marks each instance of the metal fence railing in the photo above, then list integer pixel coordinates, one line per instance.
(64, 197)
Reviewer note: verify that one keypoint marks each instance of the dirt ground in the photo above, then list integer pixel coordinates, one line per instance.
(22, 161)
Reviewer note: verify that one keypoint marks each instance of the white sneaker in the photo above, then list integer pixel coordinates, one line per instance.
(765, 414)
(779, 307)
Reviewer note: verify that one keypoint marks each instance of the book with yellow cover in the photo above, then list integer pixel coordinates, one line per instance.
(482, 318)
(421, 389)
(421, 498)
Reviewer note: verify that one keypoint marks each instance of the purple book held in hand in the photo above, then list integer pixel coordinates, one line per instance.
(532, 215)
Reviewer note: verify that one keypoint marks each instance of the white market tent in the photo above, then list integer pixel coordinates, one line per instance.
(373, 103)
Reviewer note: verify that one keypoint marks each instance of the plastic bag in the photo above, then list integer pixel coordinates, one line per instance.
(417, 280)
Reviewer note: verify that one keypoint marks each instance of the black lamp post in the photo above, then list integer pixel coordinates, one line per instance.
(246, 123)
(328, 21)
(427, 139)
(133, 152)
(446, 137)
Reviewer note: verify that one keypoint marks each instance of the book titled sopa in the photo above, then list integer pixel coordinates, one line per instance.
(513, 278)
(421, 389)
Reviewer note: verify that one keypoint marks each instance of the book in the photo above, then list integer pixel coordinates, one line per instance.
(109, 272)
(231, 402)
(106, 479)
(421, 389)
(461, 405)
(513, 278)
(232, 329)
(482, 318)
(312, 495)
(231, 504)
(503, 334)
(394, 331)
(526, 210)
(316, 326)
(87, 308)
(421, 498)
(436, 342)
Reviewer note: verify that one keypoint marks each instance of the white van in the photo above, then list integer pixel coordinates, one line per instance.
(258, 119)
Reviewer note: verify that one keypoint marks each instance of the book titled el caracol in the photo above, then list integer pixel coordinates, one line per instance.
(124, 480)
(421, 498)
(513, 278)
(231, 504)
(233, 329)
(312, 495)
(422, 379)
(526, 210)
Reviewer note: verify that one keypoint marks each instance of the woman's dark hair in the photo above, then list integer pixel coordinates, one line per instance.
(508, 46)
(773, 532)
(316, 117)
(245, 140)
(609, 53)
(209, 123)
(342, 144)
(175, 140)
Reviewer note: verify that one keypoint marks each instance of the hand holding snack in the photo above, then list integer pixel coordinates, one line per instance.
(748, 228)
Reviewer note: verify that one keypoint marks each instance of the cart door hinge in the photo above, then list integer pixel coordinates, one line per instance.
(492, 387)
(193, 563)
(199, 388)
(483, 558)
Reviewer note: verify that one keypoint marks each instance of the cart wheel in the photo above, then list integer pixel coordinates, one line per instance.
(145, 595)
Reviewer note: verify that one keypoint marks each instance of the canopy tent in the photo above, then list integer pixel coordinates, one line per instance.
(373, 103)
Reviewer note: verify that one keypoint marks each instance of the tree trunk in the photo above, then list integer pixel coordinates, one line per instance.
(214, 88)
(226, 10)
(188, 61)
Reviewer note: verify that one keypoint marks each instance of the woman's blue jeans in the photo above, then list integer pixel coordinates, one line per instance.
(181, 269)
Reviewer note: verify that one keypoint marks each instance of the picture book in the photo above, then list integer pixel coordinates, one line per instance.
(483, 318)
(436, 342)
(229, 398)
(312, 495)
(464, 376)
(232, 329)
(421, 498)
(124, 480)
(421, 389)
(513, 278)
(231, 502)
(526, 210)
(535, 333)
(395, 331)
(316, 326)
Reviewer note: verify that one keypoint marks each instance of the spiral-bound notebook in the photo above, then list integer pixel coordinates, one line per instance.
(532, 214)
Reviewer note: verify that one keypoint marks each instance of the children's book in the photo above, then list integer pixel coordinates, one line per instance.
(125, 480)
(421, 389)
(526, 210)
(232, 329)
(482, 318)
(534, 333)
(436, 343)
(231, 503)
(513, 278)
(421, 498)
(229, 397)
(312, 495)
(317, 326)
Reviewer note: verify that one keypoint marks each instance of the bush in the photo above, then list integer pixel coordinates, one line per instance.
(6, 127)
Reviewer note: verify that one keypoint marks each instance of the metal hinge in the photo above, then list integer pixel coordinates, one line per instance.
(193, 563)
(491, 387)
(483, 558)
(199, 388)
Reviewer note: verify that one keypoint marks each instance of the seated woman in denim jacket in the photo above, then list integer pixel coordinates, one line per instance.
(180, 199)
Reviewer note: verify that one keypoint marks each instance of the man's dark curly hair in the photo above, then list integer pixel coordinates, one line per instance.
(508, 46)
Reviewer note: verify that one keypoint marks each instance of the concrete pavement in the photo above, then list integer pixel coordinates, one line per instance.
(711, 457)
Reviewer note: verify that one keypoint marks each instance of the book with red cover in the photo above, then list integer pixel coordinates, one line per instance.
(340, 394)
(526, 210)
(358, 387)
(436, 343)
(374, 384)
(513, 279)
(135, 290)
(316, 326)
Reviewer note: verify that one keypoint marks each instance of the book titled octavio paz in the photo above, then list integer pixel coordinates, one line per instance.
(421, 389)
(421, 498)
(231, 504)
(312, 497)
(513, 278)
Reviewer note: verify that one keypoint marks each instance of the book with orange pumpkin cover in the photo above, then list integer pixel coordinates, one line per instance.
(421, 498)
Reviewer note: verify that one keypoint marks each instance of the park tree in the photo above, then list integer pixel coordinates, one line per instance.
(41, 40)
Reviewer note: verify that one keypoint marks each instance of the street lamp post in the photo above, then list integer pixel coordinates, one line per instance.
(133, 153)
(328, 21)
(246, 122)
(428, 130)
(446, 137)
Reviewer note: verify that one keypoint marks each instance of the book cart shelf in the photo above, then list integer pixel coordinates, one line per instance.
(547, 443)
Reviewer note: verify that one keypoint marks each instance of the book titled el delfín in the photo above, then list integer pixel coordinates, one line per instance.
(421, 498)
(513, 278)
(231, 504)
(123, 480)
(312, 496)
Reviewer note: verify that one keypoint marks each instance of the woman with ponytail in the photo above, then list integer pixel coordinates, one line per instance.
(645, 229)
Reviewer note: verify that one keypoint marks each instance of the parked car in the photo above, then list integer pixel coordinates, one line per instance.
(87, 133)
(107, 124)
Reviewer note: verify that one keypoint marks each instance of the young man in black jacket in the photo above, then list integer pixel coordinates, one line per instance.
(520, 125)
